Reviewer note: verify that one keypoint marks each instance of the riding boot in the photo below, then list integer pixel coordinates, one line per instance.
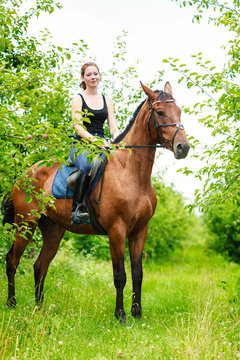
(78, 215)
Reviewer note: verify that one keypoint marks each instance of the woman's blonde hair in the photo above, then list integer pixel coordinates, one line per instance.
(83, 69)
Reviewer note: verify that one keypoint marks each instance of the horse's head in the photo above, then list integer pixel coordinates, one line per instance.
(164, 122)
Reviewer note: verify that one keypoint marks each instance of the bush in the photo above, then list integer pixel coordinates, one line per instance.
(171, 224)
(96, 245)
(223, 221)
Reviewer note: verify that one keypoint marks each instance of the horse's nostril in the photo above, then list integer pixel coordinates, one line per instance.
(181, 150)
(179, 147)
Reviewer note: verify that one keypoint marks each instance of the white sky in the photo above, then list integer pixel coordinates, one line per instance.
(157, 29)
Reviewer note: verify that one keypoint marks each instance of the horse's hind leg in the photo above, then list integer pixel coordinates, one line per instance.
(52, 235)
(136, 246)
(14, 255)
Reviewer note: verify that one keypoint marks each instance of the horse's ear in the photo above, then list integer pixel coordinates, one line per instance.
(151, 94)
(168, 88)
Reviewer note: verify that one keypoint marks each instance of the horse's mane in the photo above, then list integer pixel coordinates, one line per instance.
(121, 136)
(161, 96)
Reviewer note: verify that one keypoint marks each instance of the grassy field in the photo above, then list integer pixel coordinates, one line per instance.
(190, 311)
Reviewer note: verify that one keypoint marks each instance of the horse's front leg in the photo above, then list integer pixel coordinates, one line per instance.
(117, 237)
(136, 246)
(52, 234)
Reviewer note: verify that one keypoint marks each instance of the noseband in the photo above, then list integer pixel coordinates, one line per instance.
(160, 137)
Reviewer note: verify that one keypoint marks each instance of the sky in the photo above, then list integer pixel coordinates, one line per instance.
(157, 29)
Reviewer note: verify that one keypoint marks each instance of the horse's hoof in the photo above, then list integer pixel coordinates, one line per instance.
(38, 305)
(123, 320)
(136, 312)
(11, 302)
(121, 316)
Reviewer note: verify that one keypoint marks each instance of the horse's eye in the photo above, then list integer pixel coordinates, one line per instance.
(160, 113)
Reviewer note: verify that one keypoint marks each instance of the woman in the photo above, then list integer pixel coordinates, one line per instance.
(102, 109)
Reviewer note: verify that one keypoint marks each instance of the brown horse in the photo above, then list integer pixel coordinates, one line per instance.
(127, 204)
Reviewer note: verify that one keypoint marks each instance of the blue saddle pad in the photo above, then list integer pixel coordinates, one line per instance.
(59, 185)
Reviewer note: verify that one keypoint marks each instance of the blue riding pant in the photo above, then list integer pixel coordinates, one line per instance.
(81, 161)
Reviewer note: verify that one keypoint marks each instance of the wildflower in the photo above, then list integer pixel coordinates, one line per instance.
(120, 353)
(60, 342)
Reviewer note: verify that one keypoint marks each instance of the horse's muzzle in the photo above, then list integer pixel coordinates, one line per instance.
(181, 150)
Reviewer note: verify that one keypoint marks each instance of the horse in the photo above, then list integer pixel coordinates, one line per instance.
(128, 200)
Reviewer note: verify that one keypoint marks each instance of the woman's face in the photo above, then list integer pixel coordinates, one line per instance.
(91, 76)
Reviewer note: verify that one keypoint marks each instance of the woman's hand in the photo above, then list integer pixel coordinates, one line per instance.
(106, 144)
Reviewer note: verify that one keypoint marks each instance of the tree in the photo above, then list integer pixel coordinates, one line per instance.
(35, 82)
(171, 225)
(220, 110)
(223, 222)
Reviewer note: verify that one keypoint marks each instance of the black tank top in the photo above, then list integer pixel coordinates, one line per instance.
(97, 119)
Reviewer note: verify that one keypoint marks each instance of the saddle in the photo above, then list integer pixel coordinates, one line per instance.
(65, 179)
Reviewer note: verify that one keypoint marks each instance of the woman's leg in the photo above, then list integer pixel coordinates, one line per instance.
(81, 161)
(79, 214)
(79, 211)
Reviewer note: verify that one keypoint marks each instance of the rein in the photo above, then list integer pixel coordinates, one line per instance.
(143, 146)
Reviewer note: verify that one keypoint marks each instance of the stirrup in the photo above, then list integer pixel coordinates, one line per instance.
(78, 217)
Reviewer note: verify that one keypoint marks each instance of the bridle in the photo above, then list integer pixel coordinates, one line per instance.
(160, 137)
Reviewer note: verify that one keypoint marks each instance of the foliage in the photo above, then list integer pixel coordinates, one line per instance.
(35, 82)
(218, 107)
(171, 224)
(223, 221)
(122, 81)
(94, 245)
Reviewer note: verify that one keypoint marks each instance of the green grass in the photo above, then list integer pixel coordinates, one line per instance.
(190, 311)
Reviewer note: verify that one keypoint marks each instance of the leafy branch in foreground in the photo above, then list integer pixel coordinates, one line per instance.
(36, 79)
(218, 107)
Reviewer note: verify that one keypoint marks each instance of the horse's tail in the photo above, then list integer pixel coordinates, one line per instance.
(7, 209)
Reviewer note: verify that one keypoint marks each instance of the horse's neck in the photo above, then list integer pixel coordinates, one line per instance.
(140, 160)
